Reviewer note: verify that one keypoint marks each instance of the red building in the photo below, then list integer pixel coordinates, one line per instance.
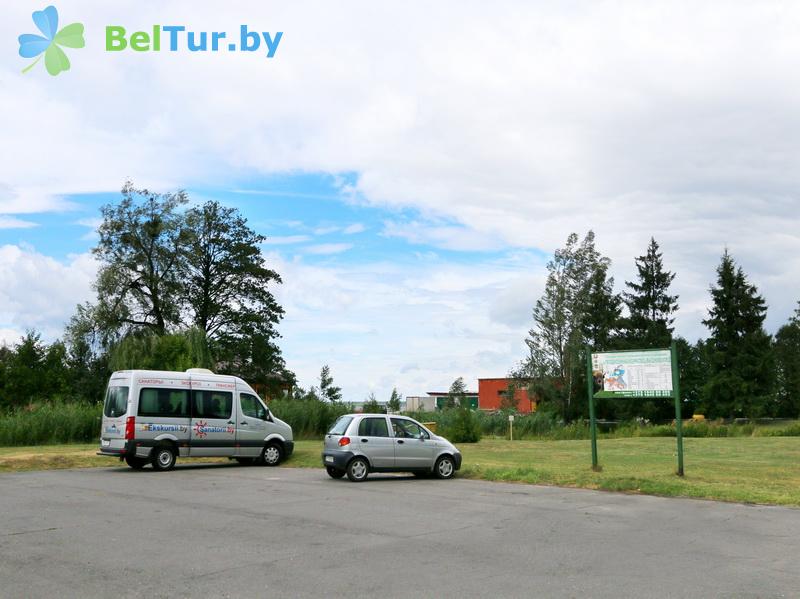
(492, 391)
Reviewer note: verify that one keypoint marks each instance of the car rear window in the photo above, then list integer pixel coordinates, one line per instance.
(340, 426)
(116, 402)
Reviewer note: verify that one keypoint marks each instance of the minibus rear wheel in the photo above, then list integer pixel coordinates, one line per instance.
(163, 457)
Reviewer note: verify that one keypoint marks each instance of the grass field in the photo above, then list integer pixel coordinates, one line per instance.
(743, 469)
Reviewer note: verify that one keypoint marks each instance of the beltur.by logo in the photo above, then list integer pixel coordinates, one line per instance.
(175, 38)
(50, 42)
(172, 38)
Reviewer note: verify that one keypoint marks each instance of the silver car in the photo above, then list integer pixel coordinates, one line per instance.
(358, 444)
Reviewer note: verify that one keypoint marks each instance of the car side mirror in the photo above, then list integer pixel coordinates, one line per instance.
(422, 436)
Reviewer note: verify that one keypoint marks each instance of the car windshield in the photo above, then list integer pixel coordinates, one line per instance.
(340, 425)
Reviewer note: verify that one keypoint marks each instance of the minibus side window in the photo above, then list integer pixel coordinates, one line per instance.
(164, 403)
(212, 404)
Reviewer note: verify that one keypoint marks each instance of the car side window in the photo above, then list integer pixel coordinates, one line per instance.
(373, 427)
(407, 429)
(252, 407)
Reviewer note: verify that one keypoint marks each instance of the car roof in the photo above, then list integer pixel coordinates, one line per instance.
(361, 414)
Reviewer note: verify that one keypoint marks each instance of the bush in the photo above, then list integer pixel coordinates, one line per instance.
(461, 426)
(793, 430)
(51, 422)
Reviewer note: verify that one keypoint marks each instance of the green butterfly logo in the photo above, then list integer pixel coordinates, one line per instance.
(31, 45)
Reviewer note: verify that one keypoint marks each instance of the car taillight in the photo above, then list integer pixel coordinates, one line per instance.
(344, 441)
(130, 425)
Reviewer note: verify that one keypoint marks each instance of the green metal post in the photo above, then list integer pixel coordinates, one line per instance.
(676, 392)
(590, 391)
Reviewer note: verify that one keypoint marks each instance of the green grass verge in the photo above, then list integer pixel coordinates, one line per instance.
(743, 469)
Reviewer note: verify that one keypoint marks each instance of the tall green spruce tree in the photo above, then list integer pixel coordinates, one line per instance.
(651, 308)
(740, 381)
(787, 361)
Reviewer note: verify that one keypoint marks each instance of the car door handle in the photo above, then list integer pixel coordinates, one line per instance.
(231, 422)
(365, 440)
(243, 423)
(400, 441)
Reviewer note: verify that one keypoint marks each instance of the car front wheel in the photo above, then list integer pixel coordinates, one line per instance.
(357, 470)
(445, 467)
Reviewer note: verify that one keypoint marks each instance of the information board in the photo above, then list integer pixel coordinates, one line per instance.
(646, 373)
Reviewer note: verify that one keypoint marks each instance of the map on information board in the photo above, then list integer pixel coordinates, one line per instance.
(646, 373)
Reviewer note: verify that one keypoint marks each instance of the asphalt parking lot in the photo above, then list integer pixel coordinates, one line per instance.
(231, 531)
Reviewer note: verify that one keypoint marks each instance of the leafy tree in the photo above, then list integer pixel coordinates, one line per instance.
(371, 406)
(165, 270)
(394, 401)
(562, 323)
(226, 287)
(651, 308)
(740, 381)
(257, 359)
(787, 358)
(56, 379)
(23, 378)
(300, 394)
(175, 351)
(87, 357)
(32, 370)
(327, 389)
(139, 283)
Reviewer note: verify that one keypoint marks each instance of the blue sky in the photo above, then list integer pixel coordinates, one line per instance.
(414, 174)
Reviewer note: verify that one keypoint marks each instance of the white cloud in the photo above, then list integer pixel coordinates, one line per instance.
(9, 222)
(377, 327)
(37, 291)
(443, 236)
(354, 228)
(326, 230)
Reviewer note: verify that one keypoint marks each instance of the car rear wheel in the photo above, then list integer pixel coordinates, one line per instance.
(445, 467)
(334, 472)
(163, 458)
(272, 455)
(357, 470)
(135, 463)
